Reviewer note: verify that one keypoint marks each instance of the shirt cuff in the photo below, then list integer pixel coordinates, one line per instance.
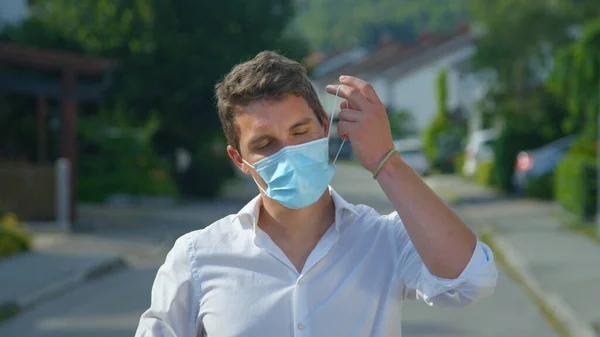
(432, 285)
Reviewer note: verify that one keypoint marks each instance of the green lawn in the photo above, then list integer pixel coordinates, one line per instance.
(586, 228)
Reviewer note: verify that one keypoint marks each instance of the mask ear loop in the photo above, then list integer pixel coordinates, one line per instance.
(331, 123)
(257, 184)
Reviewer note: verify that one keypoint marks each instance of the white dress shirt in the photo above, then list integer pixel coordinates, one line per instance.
(230, 279)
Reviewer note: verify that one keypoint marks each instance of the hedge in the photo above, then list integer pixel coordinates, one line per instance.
(510, 142)
(575, 184)
(541, 187)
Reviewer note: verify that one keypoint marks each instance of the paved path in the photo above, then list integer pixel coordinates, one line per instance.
(565, 263)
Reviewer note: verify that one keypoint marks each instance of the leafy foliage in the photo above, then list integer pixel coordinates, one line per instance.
(119, 158)
(516, 136)
(541, 187)
(520, 40)
(441, 120)
(576, 79)
(14, 236)
(441, 140)
(575, 187)
(331, 25)
(517, 41)
(519, 47)
(401, 123)
(171, 55)
(485, 174)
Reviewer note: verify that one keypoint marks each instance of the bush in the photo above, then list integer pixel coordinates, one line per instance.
(541, 187)
(459, 160)
(116, 159)
(442, 139)
(14, 237)
(402, 123)
(575, 184)
(484, 174)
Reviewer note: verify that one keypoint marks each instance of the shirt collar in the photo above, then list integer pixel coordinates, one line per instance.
(340, 203)
(252, 208)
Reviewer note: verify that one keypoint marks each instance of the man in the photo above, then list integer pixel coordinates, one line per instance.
(299, 260)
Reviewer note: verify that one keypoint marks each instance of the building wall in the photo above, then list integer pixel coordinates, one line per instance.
(417, 90)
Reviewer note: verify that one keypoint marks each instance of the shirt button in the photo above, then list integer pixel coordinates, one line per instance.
(301, 326)
(299, 281)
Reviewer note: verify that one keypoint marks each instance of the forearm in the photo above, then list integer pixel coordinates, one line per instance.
(444, 242)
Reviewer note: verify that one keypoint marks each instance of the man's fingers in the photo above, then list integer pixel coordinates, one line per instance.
(365, 88)
(346, 129)
(351, 94)
(346, 105)
(350, 115)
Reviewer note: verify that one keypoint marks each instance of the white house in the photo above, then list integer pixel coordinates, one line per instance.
(405, 76)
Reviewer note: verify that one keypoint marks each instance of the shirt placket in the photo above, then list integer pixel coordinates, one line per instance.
(302, 326)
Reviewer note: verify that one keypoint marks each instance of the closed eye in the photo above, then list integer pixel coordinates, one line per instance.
(264, 145)
(300, 133)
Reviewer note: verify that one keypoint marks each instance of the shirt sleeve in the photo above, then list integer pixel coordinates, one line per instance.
(174, 303)
(476, 281)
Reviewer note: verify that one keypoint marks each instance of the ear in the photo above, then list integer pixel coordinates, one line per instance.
(237, 159)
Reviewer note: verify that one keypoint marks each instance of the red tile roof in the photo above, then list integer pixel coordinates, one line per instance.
(395, 55)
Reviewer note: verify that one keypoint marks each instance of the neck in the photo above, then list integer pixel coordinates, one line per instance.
(297, 224)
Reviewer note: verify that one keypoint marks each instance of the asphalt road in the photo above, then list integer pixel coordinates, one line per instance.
(111, 306)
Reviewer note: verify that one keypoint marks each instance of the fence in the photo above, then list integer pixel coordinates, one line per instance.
(29, 191)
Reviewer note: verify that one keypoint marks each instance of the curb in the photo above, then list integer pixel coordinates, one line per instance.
(9, 309)
(551, 303)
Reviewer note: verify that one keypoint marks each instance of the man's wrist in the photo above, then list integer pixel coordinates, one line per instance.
(391, 167)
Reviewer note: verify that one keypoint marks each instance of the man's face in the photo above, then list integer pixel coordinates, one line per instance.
(266, 126)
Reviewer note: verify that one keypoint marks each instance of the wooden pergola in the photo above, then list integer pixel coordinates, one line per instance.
(65, 89)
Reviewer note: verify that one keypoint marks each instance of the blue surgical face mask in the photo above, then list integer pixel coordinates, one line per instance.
(297, 175)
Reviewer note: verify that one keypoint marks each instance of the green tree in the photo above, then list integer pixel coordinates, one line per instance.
(333, 25)
(517, 47)
(133, 167)
(441, 140)
(517, 35)
(401, 123)
(576, 80)
(440, 121)
(520, 38)
(171, 53)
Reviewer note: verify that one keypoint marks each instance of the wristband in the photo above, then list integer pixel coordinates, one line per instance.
(387, 156)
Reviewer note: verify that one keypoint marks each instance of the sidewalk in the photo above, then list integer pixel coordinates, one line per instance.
(50, 270)
(115, 237)
(559, 268)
